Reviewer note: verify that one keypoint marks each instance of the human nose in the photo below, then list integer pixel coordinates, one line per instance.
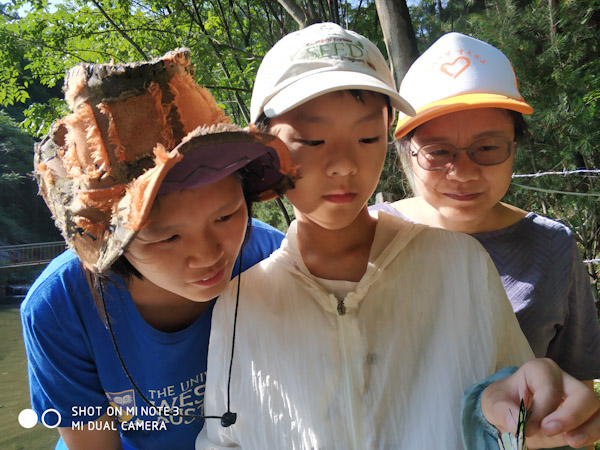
(342, 161)
(204, 251)
(463, 168)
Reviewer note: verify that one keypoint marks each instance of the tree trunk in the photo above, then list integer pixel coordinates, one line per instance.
(295, 11)
(398, 35)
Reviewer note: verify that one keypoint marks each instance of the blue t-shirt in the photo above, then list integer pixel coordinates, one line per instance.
(74, 369)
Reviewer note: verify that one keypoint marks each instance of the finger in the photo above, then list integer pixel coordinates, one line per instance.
(586, 434)
(543, 378)
(578, 408)
(500, 403)
(504, 415)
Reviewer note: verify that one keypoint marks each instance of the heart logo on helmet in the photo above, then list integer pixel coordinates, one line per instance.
(456, 67)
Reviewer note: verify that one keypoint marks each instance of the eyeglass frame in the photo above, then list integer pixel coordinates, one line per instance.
(415, 153)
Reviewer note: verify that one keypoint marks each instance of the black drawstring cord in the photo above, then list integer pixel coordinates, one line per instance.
(228, 418)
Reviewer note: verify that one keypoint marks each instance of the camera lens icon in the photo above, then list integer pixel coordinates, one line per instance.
(50, 418)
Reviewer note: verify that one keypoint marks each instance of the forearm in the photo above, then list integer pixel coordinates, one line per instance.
(478, 434)
(103, 435)
(563, 411)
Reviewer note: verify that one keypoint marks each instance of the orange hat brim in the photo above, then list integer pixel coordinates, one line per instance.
(458, 103)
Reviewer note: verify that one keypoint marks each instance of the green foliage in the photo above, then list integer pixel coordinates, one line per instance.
(269, 212)
(15, 151)
(227, 41)
(23, 215)
(39, 116)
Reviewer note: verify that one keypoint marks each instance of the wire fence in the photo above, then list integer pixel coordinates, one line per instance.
(585, 172)
(29, 254)
(42, 253)
(564, 172)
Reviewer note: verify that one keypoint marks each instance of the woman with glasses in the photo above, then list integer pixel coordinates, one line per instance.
(458, 154)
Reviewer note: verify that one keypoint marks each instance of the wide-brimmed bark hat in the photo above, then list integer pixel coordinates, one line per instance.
(137, 131)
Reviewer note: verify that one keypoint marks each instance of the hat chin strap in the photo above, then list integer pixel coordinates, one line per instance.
(228, 418)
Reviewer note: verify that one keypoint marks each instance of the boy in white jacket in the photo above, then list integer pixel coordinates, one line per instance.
(360, 332)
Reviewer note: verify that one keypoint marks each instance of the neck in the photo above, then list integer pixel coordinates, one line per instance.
(500, 216)
(338, 254)
(162, 309)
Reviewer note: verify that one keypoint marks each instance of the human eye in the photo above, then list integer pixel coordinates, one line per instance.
(167, 239)
(486, 148)
(371, 140)
(224, 218)
(489, 145)
(309, 142)
(436, 151)
(490, 151)
(230, 214)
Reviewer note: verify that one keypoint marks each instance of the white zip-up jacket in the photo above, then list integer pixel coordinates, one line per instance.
(383, 368)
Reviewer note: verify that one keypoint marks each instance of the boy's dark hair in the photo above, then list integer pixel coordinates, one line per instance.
(263, 123)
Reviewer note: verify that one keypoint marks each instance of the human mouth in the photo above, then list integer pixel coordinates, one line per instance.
(340, 198)
(211, 280)
(463, 197)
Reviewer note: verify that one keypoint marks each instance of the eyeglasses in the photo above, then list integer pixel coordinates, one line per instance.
(488, 151)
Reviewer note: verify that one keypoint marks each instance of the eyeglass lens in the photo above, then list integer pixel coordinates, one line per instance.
(485, 152)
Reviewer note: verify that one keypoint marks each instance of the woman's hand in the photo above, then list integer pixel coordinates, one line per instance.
(562, 410)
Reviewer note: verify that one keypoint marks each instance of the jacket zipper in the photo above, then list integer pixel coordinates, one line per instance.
(347, 378)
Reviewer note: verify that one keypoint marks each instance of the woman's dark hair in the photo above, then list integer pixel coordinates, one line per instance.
(521, 126)
(263, 122)
(123, 268)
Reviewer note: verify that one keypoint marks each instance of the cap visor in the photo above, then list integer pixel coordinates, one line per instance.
(317, 84)
(459, 103)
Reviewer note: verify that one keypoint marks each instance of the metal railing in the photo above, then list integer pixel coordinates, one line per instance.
(30, 254)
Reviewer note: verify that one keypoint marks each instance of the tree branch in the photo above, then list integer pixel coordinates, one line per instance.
(116, 27)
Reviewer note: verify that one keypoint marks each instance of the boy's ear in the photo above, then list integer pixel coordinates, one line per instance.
(391, 115)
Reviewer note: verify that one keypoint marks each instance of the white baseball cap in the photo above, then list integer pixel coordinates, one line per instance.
(321, 58)
(456, 73)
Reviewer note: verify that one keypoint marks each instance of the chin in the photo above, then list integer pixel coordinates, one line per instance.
(202, 298)
(458, 216)
(205, 295)
(338, 222)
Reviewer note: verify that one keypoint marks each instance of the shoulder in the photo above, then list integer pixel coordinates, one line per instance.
(266, 229)
(408, 207)
(452, 241)
(431, 247)
(550, 235)
(264, 240)
(264, 234)
(62, 279)
(549, 226)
